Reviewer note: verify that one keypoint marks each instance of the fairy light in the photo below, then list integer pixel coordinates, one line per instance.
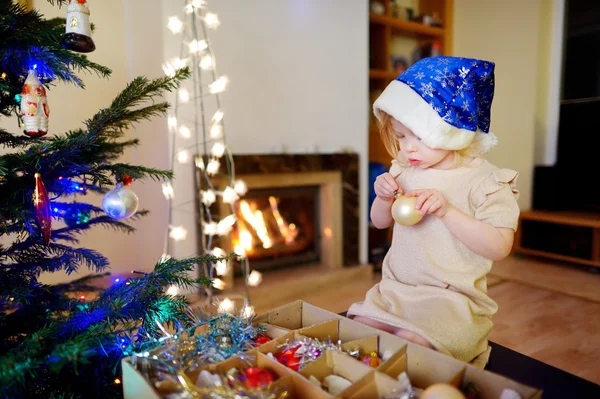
(208, 163)
(218, 116)
(240, 187)
(185, 131)
(197, 46)
(208, 197)
(240, 251)
(212, 20)
(178, 233)
(168, 69)
(183, 157)
(213, 167)
(175, 25)
(216, 130)
(218, 150)
(206, 62)
(117, 381)
(173, 290)
(184, 95)
(179, 63)
(248, 312)
(219, 85)
(210, 228)
(225, 225)
(168, 191)
(254, 278)
(226, 306)
(246, 240)
(220, 266)
(229, 195)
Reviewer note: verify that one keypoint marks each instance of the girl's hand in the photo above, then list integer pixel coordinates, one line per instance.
(429, 201)
(385, 185)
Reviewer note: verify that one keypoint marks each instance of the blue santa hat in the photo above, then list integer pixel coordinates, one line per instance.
(446, 101)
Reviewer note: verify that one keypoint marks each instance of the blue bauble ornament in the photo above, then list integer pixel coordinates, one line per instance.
(120, 203)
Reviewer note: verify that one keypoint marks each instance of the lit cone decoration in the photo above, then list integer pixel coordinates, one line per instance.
(404, 212)
(34, 106)
(78, 32)
(41, 203)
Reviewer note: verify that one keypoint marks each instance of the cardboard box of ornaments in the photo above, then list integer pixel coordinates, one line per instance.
(348, 371)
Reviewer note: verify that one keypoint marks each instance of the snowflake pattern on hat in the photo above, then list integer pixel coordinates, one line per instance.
(459, 89)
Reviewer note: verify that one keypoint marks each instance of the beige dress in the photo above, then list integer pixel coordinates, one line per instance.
(432, 284)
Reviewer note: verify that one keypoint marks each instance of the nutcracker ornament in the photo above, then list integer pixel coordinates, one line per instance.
(34, 106)
(78, 32)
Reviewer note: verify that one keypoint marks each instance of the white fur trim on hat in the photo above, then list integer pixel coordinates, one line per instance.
(409, 108)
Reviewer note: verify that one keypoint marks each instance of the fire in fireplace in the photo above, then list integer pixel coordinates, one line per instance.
(279, 226)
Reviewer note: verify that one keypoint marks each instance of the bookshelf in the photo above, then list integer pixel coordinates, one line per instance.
(393, 34)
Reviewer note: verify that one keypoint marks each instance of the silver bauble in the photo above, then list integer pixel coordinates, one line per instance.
(120, 203)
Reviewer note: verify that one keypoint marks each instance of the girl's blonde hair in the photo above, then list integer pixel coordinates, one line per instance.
(391, 144)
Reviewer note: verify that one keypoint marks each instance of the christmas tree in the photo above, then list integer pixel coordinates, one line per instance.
(53, 343)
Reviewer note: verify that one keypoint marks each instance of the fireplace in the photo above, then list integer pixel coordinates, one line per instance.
(300, 209)
(303, 208)
(279, 226)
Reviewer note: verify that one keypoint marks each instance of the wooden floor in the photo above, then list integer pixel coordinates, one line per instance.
(552, 327)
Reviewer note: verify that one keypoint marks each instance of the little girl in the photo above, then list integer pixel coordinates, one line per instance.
(435, 120)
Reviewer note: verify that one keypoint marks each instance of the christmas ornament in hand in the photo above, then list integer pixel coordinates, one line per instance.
(404, 212)
(122, 202)
(78, 32)
(41, 202)
(34, 106)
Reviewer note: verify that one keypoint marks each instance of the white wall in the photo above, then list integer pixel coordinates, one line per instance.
(298, 83)
(506, 33)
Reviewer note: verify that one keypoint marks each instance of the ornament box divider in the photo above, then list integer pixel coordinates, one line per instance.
(422, 365)
(372, 386)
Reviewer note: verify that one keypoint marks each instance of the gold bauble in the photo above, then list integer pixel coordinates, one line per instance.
(404, 212)
(442, 391)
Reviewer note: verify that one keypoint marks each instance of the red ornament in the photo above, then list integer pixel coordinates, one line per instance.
(41, 203)
(288, 354)
(293, 363)
(125, 179)
(257, 377)
(262, 340)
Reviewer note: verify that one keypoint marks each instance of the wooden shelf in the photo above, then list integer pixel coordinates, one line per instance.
(570, 218)
(407, 27)
(590, 238)
(381, 74)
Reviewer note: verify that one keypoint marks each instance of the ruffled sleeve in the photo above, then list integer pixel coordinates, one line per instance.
(395, 169)
(495, 199)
